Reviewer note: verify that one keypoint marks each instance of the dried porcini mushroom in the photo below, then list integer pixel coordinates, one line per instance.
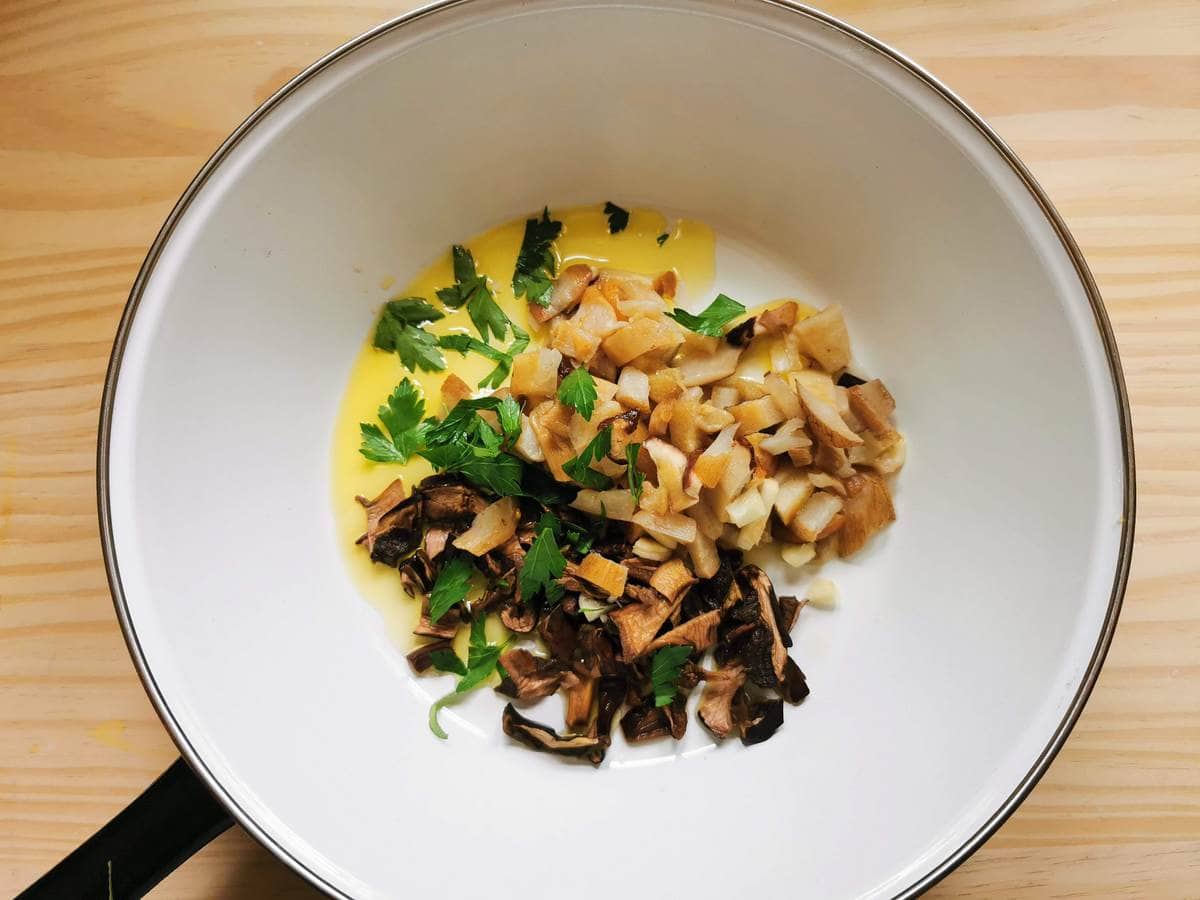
(540, 737)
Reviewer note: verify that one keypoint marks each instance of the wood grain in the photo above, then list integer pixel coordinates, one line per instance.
(108, 109)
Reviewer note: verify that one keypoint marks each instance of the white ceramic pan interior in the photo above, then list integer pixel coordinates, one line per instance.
(968, 635)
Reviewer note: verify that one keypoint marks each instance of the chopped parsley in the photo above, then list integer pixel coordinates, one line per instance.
(664, 672)
(450, 587)
(636, 476)
(401, 416)
(472, 289)
(503, 359)
(544, 564)
(533, 277)
(662, 238)
(618, 218)
(580, 468)
(712, 320)
(578, 391)
(399, 331)
(483, 658)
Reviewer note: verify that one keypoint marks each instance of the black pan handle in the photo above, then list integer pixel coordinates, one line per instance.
(171, 820)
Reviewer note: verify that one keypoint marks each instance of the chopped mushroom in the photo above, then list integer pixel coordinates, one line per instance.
(491, 528)
(543, 738)
(700, 632)
(716, 702)
(639, 622)
(567, 292)
(421, 659)
(756, 585)
(529, 676)
(764, 720)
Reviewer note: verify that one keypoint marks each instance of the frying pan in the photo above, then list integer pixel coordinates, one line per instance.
(831, 167)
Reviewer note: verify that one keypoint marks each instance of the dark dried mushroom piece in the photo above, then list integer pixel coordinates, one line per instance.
(393, 524)
(612, 694)
(542, 738)
(793, 687)
(417, 575)
(452, 502)
(594, 652)
(676, 713)
(519, 617)
(847, 380)
(764, 720)
(645, 722)
(741, 334)
(421, 659)
(789, 609)
(711, 593)
(528, 677)
(445, 627)
(559, 634)
(765, 651)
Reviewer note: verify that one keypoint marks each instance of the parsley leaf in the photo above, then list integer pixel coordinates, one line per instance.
(472, 289)
(543, 564)
(418, 349)
(483, 658)
(578, 390)
(712, 320)
(535, 269)
(636, 476)
(396, 314)
(580, 468)
(464, 344)
(497, 472)
(618, 218)
(509, 414)
(662, 238)
(398, 331)
(664, 672)
(401, 415)
(447, 661)
(450, 587)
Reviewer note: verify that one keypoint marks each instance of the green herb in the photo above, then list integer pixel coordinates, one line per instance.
(464, 344)
(580, 468)
(533, 276)
(618, 218)
(499, 473)
(472, 289)
(509, 414)
(463, 422)
(713, 319)
(664, 672)
(401, 415)
(578, 390)
(662, 238)
(483, 658)
(450, 587)
(637, 478)
(577, 537)
(544, 563)
(398, 331)
(447, 661)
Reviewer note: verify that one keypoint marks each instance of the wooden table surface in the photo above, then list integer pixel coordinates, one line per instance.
(107, 109)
